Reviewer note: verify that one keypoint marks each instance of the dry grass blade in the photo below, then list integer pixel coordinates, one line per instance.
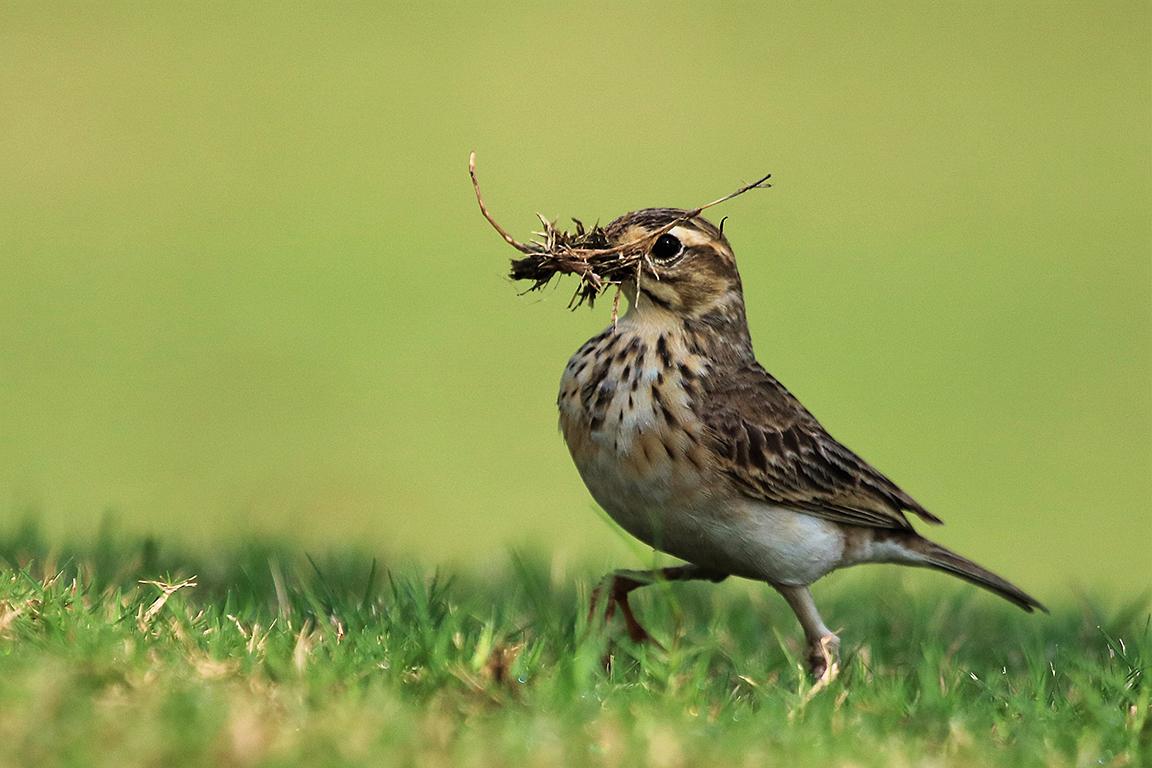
(145, 617)
(586, 253)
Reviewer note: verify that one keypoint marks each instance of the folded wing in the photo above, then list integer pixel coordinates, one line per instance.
(775, 451)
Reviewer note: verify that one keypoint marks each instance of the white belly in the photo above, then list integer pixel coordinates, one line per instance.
(740, 537)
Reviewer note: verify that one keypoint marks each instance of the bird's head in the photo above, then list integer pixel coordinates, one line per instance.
(668, 260)
(677, 262)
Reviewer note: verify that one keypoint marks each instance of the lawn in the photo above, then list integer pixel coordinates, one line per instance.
(262, 655)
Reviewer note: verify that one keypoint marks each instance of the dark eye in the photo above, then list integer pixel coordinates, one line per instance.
(666, 248)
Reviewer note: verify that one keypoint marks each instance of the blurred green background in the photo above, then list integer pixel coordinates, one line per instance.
(245, 288)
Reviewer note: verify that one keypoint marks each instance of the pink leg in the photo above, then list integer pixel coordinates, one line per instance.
(823, 644)
(618, 584)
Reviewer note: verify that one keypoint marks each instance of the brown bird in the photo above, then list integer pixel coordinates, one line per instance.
(696, 450)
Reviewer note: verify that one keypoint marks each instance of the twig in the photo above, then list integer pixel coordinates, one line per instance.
(484, 210)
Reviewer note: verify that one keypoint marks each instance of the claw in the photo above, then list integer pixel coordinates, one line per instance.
(824, 659)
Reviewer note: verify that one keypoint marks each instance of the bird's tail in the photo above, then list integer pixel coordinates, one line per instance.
(933, 555)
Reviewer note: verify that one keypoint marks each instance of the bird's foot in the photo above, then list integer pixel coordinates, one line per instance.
(615, 591)
(824, 658)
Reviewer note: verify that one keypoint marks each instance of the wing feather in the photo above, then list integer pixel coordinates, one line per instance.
(775, 451)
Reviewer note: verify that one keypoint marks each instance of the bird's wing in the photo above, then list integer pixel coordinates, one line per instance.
(775, 451)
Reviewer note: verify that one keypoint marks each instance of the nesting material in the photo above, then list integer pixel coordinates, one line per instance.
(594, 255)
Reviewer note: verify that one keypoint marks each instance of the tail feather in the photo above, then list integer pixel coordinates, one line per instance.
(936, 556)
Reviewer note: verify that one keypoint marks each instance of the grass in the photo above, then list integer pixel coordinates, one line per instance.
(272, 658)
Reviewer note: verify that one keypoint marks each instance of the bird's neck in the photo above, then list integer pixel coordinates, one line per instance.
(719, 334)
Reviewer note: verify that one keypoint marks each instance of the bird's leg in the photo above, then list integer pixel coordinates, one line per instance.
(823, 644)
(616, 586)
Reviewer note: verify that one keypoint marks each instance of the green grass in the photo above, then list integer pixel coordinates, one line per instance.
(276, 659)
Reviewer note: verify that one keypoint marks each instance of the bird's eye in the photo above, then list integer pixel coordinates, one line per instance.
(666, 248)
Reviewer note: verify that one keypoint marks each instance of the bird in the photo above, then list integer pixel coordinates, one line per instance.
(692, 447)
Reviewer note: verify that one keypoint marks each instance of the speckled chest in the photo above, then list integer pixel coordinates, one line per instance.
(628, 403)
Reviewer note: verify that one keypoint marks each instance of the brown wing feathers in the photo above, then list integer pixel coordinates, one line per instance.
(775, 451)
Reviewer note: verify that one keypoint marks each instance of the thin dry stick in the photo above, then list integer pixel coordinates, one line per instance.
(484, 210)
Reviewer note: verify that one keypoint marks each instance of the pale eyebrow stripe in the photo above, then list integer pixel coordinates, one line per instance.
(690, 237)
